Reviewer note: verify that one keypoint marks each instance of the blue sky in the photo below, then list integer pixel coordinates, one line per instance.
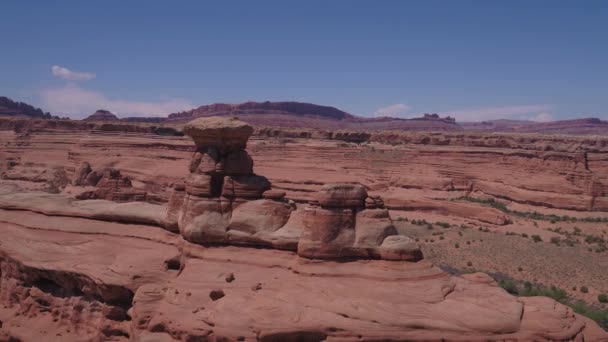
(476, 60)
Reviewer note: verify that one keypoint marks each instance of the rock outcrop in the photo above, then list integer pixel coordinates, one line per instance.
(111, 185)
(74, 270)
(338, 225)
(102, 115)
(221, 178)
(224, 201)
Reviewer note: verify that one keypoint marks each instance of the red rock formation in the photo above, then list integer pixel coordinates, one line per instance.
(337, 225)
(66, 275)
(111, 185)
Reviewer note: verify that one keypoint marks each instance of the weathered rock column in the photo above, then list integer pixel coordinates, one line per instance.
(221, 178)
(343, 222)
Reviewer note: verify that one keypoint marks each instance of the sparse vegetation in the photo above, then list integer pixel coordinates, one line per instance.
(533, 215)
(536, 238)
(598, 315)
(584, 289)
(602, 298)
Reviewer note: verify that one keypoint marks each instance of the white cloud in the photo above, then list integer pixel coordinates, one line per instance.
(396, 110)
(527, 112)
(76, 102)
(70, 75)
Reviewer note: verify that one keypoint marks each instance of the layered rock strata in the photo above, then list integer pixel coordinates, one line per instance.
(224, 201)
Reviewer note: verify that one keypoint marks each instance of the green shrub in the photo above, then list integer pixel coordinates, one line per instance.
(602, 298)
(536, 238)
(584, 289)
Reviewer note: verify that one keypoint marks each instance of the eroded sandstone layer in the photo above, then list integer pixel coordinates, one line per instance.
(215, 252)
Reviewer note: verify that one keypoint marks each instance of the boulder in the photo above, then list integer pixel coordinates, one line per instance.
(222, 132)
(399, 247)
(342, 195)
(372, 227)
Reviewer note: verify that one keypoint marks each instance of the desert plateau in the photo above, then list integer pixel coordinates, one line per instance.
(304, 171)
(134, 231)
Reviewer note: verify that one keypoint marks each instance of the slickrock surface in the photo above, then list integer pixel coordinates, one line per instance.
(95, 288)
(317, 251)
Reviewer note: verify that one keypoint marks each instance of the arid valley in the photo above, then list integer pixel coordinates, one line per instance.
(102, 241)
(304, 171)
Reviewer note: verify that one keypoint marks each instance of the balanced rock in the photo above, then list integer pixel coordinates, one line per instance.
(222, 132)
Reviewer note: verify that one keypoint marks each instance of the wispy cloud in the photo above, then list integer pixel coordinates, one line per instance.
(541, 113)
(76, 102)
(70, 75)
(542, 117)
(396, 111)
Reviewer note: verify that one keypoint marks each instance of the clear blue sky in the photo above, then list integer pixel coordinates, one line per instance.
(476, 59)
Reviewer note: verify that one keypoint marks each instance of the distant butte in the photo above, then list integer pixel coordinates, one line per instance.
(102, 115)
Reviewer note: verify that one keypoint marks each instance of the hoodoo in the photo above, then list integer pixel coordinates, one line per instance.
(224, 201)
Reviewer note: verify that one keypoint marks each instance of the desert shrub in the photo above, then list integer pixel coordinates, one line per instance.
(456, 245)
(602, 298)
(584, 289)
(555, 240)
(520, 269)
(443, 224)
(536, 238)
(509, 286)
(469, 263)
(524, 235)
(598, 315)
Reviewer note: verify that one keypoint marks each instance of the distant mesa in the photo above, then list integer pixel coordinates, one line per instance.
(299, 115)
(267, 107)
(102, 115)
(308, 115)
(12, 108)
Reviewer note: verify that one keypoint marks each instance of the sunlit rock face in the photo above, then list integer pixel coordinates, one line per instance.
(224, 201)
